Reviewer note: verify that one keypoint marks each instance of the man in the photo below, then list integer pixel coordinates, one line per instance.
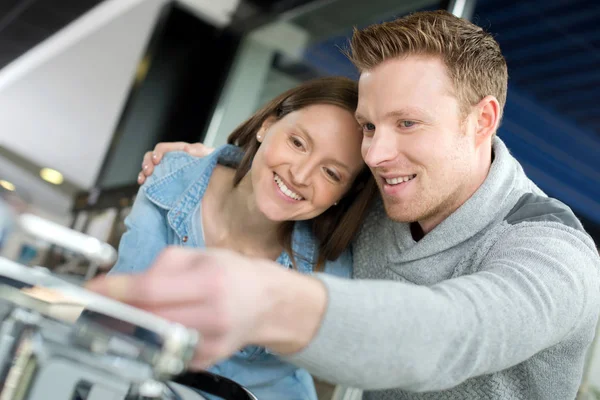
(470, 282)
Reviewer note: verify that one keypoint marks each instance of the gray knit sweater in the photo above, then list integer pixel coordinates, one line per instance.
(499, 301)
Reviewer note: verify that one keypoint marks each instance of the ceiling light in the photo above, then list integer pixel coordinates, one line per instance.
(52, 176)
(142, 69)
(7, 185)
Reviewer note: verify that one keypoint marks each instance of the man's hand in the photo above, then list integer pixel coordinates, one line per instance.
(152, 158)
(232, 300)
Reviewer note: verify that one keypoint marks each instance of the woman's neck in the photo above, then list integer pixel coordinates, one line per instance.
(240, 223)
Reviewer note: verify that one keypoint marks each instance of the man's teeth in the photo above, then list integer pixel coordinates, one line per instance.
(285, 190)
(400, 179)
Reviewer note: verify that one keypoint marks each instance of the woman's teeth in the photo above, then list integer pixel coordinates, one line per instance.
(400, 179)
(285, 190)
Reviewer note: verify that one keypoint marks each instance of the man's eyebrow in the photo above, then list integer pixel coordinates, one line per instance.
(409, 112)
(359, 117)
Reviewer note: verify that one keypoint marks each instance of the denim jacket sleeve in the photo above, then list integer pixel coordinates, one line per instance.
(148, 231)
(145, 237)
(341, 267)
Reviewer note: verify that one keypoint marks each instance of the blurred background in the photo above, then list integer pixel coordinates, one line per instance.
(88, 86)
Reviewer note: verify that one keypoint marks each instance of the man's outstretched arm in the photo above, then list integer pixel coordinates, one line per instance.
(537, 287)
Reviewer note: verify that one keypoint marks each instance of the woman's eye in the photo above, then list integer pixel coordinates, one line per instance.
(407, 124)
(296, 142)
(332, 174)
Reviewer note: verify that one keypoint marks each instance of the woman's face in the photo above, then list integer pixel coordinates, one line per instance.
(307, 162)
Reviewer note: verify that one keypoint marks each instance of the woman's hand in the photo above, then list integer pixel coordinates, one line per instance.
(152, 158)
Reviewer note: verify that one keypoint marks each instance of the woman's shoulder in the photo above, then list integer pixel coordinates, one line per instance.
(176, 173)
(175, 162)
(181, 165)
(306, 245)
(179, 172)
(340, 267)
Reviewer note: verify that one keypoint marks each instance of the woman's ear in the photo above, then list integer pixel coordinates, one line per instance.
(260, 135)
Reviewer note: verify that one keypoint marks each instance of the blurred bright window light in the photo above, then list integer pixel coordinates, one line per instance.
(7, 185)
(52, 176)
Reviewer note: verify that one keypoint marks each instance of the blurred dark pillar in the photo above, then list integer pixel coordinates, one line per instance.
(177, 86)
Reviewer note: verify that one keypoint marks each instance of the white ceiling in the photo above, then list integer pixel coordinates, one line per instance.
(60, 101)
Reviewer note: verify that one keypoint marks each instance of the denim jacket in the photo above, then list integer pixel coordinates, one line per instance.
(167, 212)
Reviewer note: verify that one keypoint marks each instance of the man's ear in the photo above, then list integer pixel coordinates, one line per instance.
(488, 118)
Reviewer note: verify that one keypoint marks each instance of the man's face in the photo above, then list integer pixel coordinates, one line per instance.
(421, 152)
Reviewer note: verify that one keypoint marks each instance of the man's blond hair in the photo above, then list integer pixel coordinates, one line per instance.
(472, 56)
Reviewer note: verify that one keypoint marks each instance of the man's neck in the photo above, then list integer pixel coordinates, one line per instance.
(429, 223)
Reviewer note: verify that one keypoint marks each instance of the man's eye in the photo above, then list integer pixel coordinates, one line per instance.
(368, 127)
(407, 124)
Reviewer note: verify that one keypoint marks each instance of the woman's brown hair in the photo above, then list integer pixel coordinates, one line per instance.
(337, 226)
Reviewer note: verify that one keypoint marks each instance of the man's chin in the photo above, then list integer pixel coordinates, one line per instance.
(399, 213)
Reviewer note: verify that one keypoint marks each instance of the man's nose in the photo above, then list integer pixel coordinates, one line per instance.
(379, 149)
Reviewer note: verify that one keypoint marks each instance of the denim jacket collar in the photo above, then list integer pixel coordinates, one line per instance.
(181, 191)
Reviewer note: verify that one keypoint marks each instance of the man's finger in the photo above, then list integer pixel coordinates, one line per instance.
(147, 290)
(199, 149)
(175, 258)
(116, 286)
(147, 164)
(166, 147)
(207, 316)
(162, 283)
(158, 290)
(209, 352)
(147, 158)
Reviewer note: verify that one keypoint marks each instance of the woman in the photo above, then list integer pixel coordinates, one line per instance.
(290, 186)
